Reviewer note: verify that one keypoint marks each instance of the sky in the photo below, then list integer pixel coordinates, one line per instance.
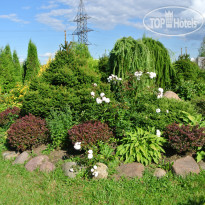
(44, 22)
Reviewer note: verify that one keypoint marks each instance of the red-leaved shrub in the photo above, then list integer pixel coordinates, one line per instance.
(185, 138)
(89, 133)
(27, 132)
(8, 116)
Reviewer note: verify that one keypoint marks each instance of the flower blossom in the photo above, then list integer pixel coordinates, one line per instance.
(102, 95)
(158, 110)
(113, 78)
(152, 75)
(95, 167)
(92, 94)
(98, 100)
(95, 84)
(167, 111)
(77, 146)
(90, 154)
(158, 133)
(95, 174)
(138, 74)
(160, 94)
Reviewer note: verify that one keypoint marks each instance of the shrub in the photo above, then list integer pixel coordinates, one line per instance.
(89, 133)
(185, 138)
(59, 121)
(27, 132)
(8, 116)
(200, 104)
(141, 146)
(186, 69)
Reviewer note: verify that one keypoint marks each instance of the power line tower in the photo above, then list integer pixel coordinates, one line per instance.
(82, 29)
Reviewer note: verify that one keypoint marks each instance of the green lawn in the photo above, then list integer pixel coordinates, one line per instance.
(17, 186)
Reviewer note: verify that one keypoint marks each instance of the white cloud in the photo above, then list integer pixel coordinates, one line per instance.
(14, 18)
(51, 5)
(26, 7)
(107, 14)
(47, 55)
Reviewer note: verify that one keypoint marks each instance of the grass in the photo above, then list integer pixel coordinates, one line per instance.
(17, 186)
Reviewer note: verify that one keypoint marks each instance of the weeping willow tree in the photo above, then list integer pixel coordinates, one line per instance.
(161, 62)
(130, 55)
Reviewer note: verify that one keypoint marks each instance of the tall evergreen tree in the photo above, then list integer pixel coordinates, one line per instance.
(32, 64)
(7, 74)
(17, 67)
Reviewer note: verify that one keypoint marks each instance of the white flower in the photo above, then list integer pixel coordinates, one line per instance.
(98, 100)
(104, 98)
(159, 96)
(71, 170)
(120, 79)
(92, 93)
(152, 75)
(90, 151)
(90, 156)
(107, 100)
(158, 110)
(161, 90)
(167, 111)
(95, 84)
(138, 73)
(102, 95)
(95, 174)
(95, 167)
(92, 170)
(77, 145)
(158, 133)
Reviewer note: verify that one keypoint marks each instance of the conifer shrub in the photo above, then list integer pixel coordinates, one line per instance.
(8, 116)
(89, 133)
(184, 138)
(27, 132)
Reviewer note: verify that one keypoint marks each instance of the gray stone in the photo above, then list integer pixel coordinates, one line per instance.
(102, 171)
(185, 165)
(159, 173)
(36, 162)
(131, 170)
(21, 158)
(170, 94)
(66, 168)
(202, 165)
(10, 155)
(47, 167)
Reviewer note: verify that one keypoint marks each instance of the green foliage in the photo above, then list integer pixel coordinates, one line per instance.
(200, 154)
(104, 68)
(192, 120)
(7, 70)
(32, 64)
(202, 48)
(186, 69)
(17, 67)
(141, 146)
(59, 122)
(200, 104)
(161, 62)
(188, 90)
(129, 55)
